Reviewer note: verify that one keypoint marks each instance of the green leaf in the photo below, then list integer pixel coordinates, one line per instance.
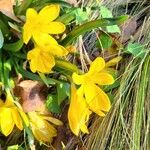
(14, 26)
(80, 30)
(63, 91)
(60, 2)
(52, 105)
(106, 13)
(81, 16)
(111, 97)
(4, 28)
(104, 41)
(38, 4)
(54, 101)
(13, 147)
(136, 50)
(14, 47)
(33, 76)
(115, 85)
(67, 18)
(113, 29)
(1, 39)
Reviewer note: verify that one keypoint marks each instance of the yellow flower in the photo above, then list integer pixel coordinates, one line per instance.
(89, 96)
(42, 23)
(78, 113)
(39, 26)
(40, 60)
(41, 128)
(42, 57)
(11, 115)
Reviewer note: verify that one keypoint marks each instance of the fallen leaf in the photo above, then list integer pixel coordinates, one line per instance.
(128, 30)
(6, 7)
(72, 2)
(32, 95)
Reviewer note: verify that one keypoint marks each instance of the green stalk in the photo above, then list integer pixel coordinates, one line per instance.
(67, 66)
(23, 7)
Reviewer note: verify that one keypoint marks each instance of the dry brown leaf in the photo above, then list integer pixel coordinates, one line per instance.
(72, 2)
(32, 95)
(6, 7)
(128, 30)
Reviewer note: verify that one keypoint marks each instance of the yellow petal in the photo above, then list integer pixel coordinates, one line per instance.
(43, 134)
(52, 120)
(17, 119)
(31, 18)
(102, 78)
(97, 100)
(49, 44)
(42, 130)
(43, 39)
(53, 28)
(57, 50)
(40, 60)
(6, 121)
(80, 91)
(31, 15)
(49, 13)
(9, 101)
(84, 128)
(78, 113)
(24, 117)
(113, 61)
(26, 33)
(78, 79)
(97, 65)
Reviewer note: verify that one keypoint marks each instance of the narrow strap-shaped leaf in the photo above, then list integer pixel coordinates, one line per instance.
(33, 76)
(4, 28)
(40, 4)
(7, 68)
(68, 17)
(60, 2)
(14, 47)
(90, 26)
(1, 39)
